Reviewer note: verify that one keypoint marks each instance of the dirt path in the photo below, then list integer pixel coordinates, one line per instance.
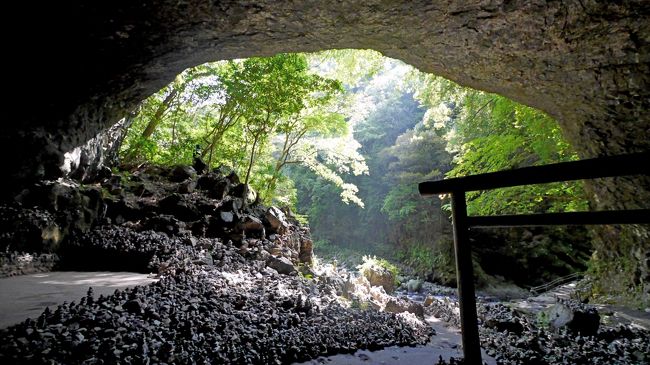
(27, 296)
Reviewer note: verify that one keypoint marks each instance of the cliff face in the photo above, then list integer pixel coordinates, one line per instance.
(586, 63)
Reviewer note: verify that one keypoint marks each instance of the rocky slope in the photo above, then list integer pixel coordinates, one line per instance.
(230, 288)
(236, 311)
(138, 221)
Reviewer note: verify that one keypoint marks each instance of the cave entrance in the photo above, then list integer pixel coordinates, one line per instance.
(349, 163)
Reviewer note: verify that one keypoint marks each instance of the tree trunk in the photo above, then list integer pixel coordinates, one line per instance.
(248, 171)
(157, 117)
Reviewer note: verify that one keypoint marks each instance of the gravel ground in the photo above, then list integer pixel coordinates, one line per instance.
(237, 311)
(513, 338)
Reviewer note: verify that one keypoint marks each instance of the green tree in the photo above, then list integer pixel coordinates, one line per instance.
(488, 133)
(272, 93)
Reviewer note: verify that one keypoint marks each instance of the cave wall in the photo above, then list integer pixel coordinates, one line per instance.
(77, 67)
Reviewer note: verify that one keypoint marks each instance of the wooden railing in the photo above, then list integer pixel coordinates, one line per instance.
(632, 164)
(536, 290)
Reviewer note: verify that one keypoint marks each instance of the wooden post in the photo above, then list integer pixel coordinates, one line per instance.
(465, 279)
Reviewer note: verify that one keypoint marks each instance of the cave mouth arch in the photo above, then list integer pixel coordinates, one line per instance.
(585, 63)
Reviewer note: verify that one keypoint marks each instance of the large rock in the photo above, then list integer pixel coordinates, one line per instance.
(217, 186)
(277, 220)
(181, 173)
(306, 254)
(379, 276)
(252, 226)
(397, 305)
(245, 192)
(199, 165)
(501, 318)
(575, 317)
(178, 206)
(414, 286)
(281, 264)
(187, 187)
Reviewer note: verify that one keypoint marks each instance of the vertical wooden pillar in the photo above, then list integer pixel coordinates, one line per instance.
(465, 278)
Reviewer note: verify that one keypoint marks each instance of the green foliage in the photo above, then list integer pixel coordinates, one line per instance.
(350, 66)
(543, 320)
(256, 116)
(454, 131)
(491, 133)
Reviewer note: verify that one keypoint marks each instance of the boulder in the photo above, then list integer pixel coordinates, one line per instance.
(276, 219)
(231, 205)
(177, 206)
(428, 301)
(396, 305)
(306, 254)
(228, 173)
(251, 225)
(216, 186)
(380, 276)
(181, 173)
(134, 306)
(281, 264)
(141, 189)
(414, 286)
(578, 318)
(227, 217)
(502, 319)
(245, 192)
(199, 165)
(187, 187)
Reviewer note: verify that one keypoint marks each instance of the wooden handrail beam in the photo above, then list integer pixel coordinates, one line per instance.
(632, 164)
